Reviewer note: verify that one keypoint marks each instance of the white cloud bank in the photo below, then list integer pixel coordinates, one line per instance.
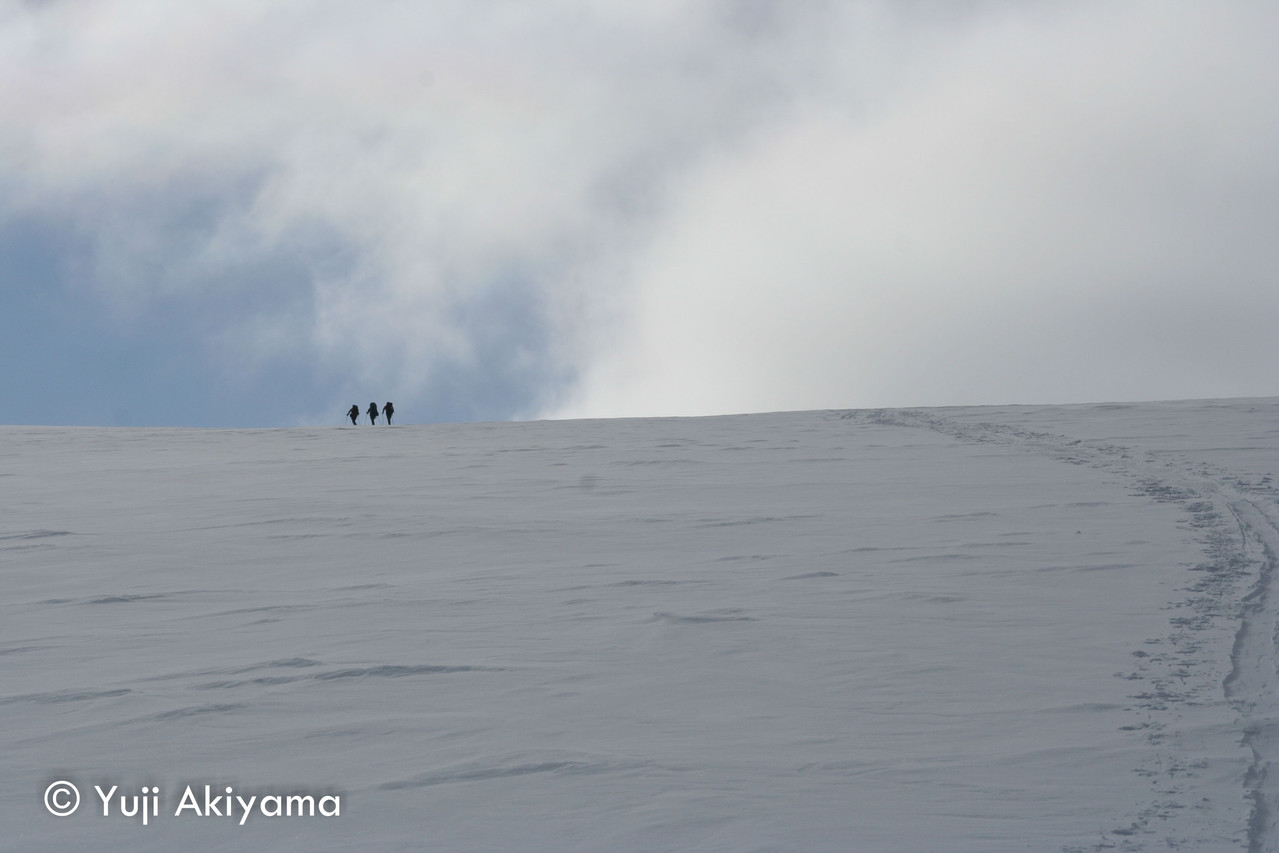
(1068, 205)
(676, 207)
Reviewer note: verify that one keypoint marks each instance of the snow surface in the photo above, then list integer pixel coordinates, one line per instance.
(966, 629)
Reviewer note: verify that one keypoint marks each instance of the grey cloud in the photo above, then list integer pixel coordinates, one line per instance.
(502, 209)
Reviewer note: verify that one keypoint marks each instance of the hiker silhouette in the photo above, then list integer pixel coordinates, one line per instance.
(373, 413)
(353, 413)
(388, 410)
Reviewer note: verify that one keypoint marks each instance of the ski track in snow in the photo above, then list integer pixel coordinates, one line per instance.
(1238, 516)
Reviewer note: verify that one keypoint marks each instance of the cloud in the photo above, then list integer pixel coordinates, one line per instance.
(1066, 203)
(413, 165)
(499, 209)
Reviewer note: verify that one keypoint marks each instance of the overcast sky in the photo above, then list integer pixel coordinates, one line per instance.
(258, 212)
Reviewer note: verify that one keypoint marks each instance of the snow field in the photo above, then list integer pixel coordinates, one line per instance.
(973, 629)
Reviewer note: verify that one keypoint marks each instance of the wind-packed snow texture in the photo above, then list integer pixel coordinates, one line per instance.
(971, 629)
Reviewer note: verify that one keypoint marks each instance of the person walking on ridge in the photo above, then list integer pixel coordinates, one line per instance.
(353, 413)
(388, 410)
(373, 413)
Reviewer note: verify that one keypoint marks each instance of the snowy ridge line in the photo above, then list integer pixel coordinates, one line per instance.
(1245, 551)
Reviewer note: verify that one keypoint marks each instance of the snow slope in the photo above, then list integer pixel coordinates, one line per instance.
(972, 629)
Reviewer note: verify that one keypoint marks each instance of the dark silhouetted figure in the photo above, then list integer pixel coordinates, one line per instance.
(353, 413)
(388, 410)
(373, 413)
